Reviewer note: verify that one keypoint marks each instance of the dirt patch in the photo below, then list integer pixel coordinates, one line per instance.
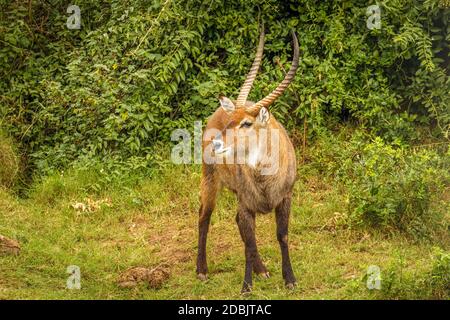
(173, 245)
(139, 225)
(154, 278)
(9, 246)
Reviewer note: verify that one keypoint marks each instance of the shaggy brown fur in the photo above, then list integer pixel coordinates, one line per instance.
(256, 193)
(257, 190)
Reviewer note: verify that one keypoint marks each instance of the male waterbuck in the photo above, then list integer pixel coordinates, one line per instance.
(262, 181)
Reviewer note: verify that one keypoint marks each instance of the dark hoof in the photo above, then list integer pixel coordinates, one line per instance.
(246, 289)
(291, 285)
(202, 276)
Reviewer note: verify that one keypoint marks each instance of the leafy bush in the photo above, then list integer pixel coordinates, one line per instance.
(439, 279)
(432, 282)
(392, 187)
(388, 185)
(9, 162)
(138, 69)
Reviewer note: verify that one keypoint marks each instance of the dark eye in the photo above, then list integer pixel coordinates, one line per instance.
(246, 124)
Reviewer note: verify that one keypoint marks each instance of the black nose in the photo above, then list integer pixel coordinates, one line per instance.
(218, 144)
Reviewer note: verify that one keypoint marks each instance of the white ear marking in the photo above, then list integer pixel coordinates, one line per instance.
(227, 104)
(263, 115)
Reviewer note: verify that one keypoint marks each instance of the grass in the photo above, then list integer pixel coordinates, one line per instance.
(154, 222)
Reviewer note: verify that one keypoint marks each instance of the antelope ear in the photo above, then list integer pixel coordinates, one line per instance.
(227, 104)
(263, 115)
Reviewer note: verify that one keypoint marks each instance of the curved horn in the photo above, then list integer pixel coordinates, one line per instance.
(245, 89)
(268, 100)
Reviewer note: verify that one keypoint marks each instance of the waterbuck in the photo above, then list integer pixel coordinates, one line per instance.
(264, 178)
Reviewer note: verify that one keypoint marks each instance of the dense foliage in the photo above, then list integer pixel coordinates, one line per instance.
(137, 69)
(9, 168)
(386, 185)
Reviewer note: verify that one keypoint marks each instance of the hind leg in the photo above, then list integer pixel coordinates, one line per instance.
(258, 266)
(245, 221)
(282, 212)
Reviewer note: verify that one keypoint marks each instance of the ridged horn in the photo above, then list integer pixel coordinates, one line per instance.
(268, 100)
(247, 86)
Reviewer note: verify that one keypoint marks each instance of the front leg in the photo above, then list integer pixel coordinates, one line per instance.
(246, 223)
(282, 212)
(209, 188)
(258, 266)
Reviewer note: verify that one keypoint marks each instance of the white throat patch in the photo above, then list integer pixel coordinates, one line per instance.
(254, 156)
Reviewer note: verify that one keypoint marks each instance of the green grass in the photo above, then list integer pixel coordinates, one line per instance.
(154, 222)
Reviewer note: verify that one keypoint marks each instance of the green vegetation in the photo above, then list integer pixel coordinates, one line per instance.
(154, 223)
(86, 117)
(10, 163)
(388, 186)
(138, 69)
(440, 274)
